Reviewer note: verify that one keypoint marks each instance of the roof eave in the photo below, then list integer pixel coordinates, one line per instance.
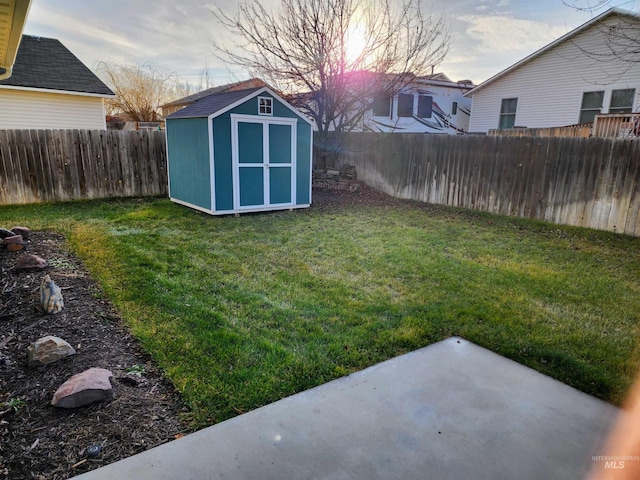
(551, 45)
(10, 47)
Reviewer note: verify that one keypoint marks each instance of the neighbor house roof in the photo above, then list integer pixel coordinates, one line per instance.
(564, 38)
(243, 85)
(46, 64)
(13, 16)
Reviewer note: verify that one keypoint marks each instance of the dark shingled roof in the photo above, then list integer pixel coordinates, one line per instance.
(243, 85)
(212, 104)
(46, 63)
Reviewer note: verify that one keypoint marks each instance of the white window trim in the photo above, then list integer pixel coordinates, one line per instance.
(270, 102)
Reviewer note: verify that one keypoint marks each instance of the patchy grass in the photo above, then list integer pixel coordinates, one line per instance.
(240, 312)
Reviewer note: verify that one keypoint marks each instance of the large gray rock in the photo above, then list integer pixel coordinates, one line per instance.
(27, 261)
(48, 349)
(51, 300)
(83, 389)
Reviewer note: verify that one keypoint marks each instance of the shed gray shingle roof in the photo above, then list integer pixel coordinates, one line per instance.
(212, 104)
(46, 63)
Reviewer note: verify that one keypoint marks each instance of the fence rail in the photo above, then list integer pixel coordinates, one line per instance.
(57, 165)
(570, 131)
(618, 125)
(588, 182)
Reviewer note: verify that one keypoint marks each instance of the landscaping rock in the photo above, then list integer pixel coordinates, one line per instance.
(48, 349)
(22, 231)
(51, 300)
(28, 261)
(83, 389)
(4, 233)
(15, 243)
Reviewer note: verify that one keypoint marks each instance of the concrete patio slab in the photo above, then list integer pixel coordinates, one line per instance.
(452, 410)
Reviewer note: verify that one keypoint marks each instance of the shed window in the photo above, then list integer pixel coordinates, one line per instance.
(454, 108)
(508, 112)
(425, 106)
(622, 101)
(591, 106)
(405, 105)
(265, 106)
(381, 104)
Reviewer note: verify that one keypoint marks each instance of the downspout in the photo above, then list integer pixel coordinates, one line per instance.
(6, 72)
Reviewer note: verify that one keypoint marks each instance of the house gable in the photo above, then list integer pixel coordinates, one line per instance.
(548, 86)
(46, 64)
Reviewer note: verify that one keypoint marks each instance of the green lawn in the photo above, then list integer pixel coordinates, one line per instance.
(241, 312)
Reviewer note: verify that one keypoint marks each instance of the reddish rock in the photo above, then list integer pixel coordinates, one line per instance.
(15, 247)
(22, 231)
(14, 243)
(15, 239)
(31, 262)
(83, 389)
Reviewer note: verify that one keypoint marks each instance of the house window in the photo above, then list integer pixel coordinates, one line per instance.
(454, 108)
(405, 105)
(381, 104)
(265, 106)
(508, 112)
(591, 106)
(425, 106)
(622, 101)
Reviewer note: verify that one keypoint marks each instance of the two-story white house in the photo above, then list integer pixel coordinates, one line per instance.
(428, 104)
(593, 69)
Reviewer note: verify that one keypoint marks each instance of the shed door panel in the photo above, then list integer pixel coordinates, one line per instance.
(250, 143)
(251, 186)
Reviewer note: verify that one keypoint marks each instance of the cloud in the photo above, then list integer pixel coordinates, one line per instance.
(502, 33)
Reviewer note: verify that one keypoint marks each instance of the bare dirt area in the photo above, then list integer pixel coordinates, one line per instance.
(39, 441)
(351, 192)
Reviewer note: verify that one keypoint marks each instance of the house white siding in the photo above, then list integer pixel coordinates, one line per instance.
(448, 113)
(22, 109)
(549, 87)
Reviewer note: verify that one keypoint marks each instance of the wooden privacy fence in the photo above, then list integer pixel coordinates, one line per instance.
(589, 182)
(56, 165)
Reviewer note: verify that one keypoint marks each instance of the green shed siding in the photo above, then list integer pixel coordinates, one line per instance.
(222, 164)
(303, 164)
(188, 158)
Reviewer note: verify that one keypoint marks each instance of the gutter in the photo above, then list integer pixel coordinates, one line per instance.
(17, 22)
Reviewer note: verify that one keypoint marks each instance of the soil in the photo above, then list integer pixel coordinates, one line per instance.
(39, 441)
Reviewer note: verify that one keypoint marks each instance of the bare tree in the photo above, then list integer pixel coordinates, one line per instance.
(140, 89)
(306, 48)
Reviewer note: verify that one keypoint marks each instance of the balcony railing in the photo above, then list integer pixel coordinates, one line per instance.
(624, 125)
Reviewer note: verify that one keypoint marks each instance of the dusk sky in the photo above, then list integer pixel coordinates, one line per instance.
(488, 35)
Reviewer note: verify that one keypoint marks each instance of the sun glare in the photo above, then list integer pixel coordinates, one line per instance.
(355, 43)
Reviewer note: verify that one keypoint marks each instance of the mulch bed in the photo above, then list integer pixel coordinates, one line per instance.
(39, 441)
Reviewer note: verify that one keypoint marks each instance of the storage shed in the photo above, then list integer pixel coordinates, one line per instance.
(240, 151)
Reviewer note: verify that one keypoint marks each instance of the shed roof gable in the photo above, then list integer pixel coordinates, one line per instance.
(217, 104)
